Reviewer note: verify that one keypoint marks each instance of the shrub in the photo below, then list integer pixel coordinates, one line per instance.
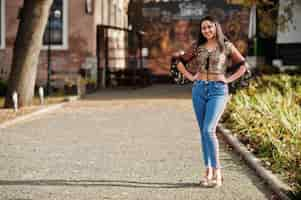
(267, 118)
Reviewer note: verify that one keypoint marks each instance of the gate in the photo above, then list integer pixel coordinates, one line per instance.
(120, 62)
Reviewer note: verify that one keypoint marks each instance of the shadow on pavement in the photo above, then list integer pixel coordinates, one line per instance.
(98, 183)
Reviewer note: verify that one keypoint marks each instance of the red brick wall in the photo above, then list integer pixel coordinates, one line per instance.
(81, 40)
(11, 25)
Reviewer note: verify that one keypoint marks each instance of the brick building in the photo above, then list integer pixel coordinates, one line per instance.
(71, 36)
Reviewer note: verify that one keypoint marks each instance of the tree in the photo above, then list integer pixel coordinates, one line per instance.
(33, 20)
(268, 19)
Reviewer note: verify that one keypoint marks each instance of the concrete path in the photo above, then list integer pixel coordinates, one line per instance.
(117, 144)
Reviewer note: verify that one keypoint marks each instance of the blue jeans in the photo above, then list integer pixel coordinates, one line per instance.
(209, 101)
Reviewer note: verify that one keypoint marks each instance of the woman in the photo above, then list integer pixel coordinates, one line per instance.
(211, 55)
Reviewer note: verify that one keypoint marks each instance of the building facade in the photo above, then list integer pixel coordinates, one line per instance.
(174, 25)
(70, 39)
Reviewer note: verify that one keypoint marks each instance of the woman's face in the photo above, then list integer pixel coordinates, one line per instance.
(208, 29)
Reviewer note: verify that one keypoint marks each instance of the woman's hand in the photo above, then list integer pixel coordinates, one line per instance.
(177, 54)
(242, 69)
(194, 77)
(225, 80)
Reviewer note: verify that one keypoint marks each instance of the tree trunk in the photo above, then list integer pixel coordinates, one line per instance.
(34, 17)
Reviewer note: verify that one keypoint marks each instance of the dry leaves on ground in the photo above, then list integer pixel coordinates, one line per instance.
(9, 114)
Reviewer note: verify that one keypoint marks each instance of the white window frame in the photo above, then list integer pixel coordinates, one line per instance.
(65, 44)
(2, 24)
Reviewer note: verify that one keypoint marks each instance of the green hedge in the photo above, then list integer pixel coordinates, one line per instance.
(267, 118)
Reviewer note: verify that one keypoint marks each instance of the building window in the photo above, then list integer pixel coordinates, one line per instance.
(56, 33)
(2, 24)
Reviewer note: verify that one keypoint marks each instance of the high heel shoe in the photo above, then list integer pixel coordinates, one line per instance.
(206, 181)
(217, 181)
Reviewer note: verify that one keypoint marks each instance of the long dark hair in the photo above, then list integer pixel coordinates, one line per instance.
(220, 37)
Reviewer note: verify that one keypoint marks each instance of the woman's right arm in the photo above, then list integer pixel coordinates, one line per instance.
(185, 57)
(186, 73)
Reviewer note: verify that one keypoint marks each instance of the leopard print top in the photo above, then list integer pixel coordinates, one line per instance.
(200, 59)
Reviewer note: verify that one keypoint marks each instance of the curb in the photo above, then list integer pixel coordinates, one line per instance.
(48, 109)
(279, 187)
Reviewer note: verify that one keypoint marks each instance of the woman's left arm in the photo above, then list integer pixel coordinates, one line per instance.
(237, 58)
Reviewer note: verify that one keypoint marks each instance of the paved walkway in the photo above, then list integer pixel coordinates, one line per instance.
(117, 144)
